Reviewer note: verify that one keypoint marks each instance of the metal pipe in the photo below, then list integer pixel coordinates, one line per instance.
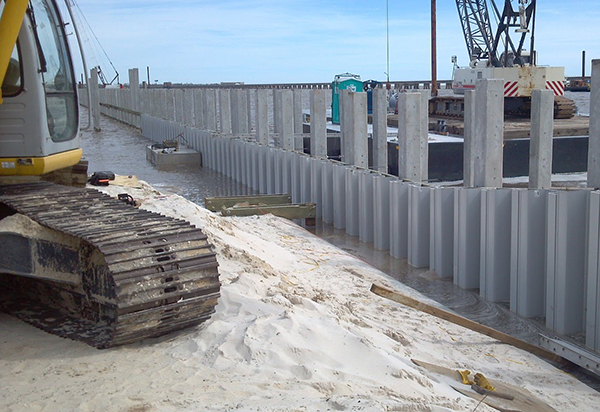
(387, 24)
(433, 49)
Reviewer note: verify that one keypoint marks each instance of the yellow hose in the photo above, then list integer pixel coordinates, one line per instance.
(10, 24)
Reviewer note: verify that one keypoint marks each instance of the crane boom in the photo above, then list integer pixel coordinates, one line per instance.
(477, 29)
(485, 41)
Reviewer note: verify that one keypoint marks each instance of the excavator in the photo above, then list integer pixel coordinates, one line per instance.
(504, 50)
(74, 261)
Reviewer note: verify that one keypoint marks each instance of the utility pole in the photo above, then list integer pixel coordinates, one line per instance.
(387, 25)
(434, 87)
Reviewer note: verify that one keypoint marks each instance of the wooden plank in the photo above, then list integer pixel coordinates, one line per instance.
(467, 323)
(296, 211)
(215, 204)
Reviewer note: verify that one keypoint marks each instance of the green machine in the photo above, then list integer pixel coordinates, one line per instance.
(345, 81)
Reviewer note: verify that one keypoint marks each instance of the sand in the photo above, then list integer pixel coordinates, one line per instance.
(296, 329)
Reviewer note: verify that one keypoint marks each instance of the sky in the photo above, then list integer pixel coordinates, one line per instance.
(293, 41)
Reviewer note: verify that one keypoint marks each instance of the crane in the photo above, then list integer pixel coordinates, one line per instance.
(500, 45)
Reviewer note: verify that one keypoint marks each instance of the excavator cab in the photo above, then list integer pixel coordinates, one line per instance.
(39, 114)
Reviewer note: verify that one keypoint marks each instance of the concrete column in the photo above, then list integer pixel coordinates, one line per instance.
(276, 115)
(134, 87)
(297, 110)
(594, 140)
(409, 136)
(318, 123)
(424, 158)
(262, 116)
(468, 161)
(235, 109)
(210, 109)
(239, 112)
(286, 118)
(188, 107)
(249, 109)
(488, 133)
(160, 103)
(380, 154)
(198, 97)
(179, 117)
(354, 114)
(225, 110)
(149, 106)
(170, 104)
(347, 150)
(540, 149)
(144, 101)
(95, 103)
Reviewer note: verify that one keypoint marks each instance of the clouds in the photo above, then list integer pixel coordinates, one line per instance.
(297, 41)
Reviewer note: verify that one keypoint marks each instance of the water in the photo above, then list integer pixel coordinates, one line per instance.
(122, 150)
(582, 101)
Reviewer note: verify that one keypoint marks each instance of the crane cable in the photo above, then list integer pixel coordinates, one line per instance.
(82, 16)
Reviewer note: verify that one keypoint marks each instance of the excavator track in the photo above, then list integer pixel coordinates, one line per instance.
(564, 108)
(142, 274)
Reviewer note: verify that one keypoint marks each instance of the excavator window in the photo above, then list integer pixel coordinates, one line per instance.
(12, 81)
(57, 71)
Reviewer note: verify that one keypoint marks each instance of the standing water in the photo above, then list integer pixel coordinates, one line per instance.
(122, 150)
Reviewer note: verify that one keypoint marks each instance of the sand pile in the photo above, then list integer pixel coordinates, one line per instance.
(296, 329)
